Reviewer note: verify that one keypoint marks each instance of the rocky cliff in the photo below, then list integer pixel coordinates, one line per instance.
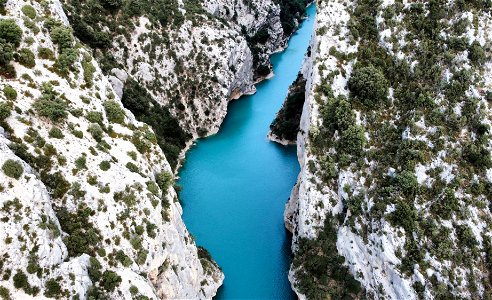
(393, 200)
(87, 202)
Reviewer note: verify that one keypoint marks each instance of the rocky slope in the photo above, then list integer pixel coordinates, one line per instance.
(393, 200)
(87, 203)
(191, 57)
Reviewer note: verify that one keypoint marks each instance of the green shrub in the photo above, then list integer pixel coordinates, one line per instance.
(66, 61)
(5, 111)
(10, 93)
(20, 280)
(95, 117)
(132, 167)
(6, 52)
(164, 181)
(29, 11)
(10, 31)
(105, 165)
(96, 131)
(12, 169)
(4, 292)
(45, 53)
(352, 140)
(369, 85)
(52, 289)
(26, 58)
(50, 105)
(80, 162)
(62, 36)
(56, 133)
(82, 237)
(476, 53)
(94, 269)
(114, 112)
(110, 280)
(407, 182)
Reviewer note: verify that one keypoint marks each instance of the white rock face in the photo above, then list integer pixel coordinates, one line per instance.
(373, 259)
(137, 224)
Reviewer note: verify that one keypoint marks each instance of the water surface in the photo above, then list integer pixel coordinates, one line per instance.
(236, 183)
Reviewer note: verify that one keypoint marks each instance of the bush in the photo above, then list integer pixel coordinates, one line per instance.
(45, 53)
(352, 140)
(5, 111)
(407, 182)
(66, 61)
(110, 280)
(26, 58)
(476, 53)
(95, 117)
(56, 133)
(50, 105)
(369, 85)
(20, 280)
(105, 165)
(62, 36)
(164, 181)
(96, 131)
(132, 167)
(114, 112)
(10, 93)
(52, 288)
(10, 32)
(13, 169)
(29, 11)
(6, 52)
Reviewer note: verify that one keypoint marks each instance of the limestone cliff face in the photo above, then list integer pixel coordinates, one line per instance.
(86, 196)
(399, 225)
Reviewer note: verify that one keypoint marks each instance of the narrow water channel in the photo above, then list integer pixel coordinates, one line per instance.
(236, 183)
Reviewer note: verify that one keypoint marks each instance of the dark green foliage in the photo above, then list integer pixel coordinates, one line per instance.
(290, 12)
(445, 205)
(407, 182)
(50, 105)
(369, 85)
(65, 61)
(6, 52)
(56, 183)
(20, 280)
(476, 53)
(132, 167)
(287, 121)
(320, 270)
(82, 237)
(405, 216)
(56, 133)
(110, 280)
(477, 155)
(352, 140)
(62, 36)
(10, 32)
(170, 136)
(164, 181)
(12, 168)
(26, 58)
(52, 288)
(105, 165)
(5, 111)
(94, 269)
(114, 112)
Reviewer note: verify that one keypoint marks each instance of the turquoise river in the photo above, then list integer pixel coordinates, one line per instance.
(235, 185)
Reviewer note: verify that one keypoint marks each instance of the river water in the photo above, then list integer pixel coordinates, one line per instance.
(235, 185)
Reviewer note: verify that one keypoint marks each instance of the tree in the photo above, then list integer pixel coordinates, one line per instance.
(369, 85)
(26, 58)
(10, 31)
